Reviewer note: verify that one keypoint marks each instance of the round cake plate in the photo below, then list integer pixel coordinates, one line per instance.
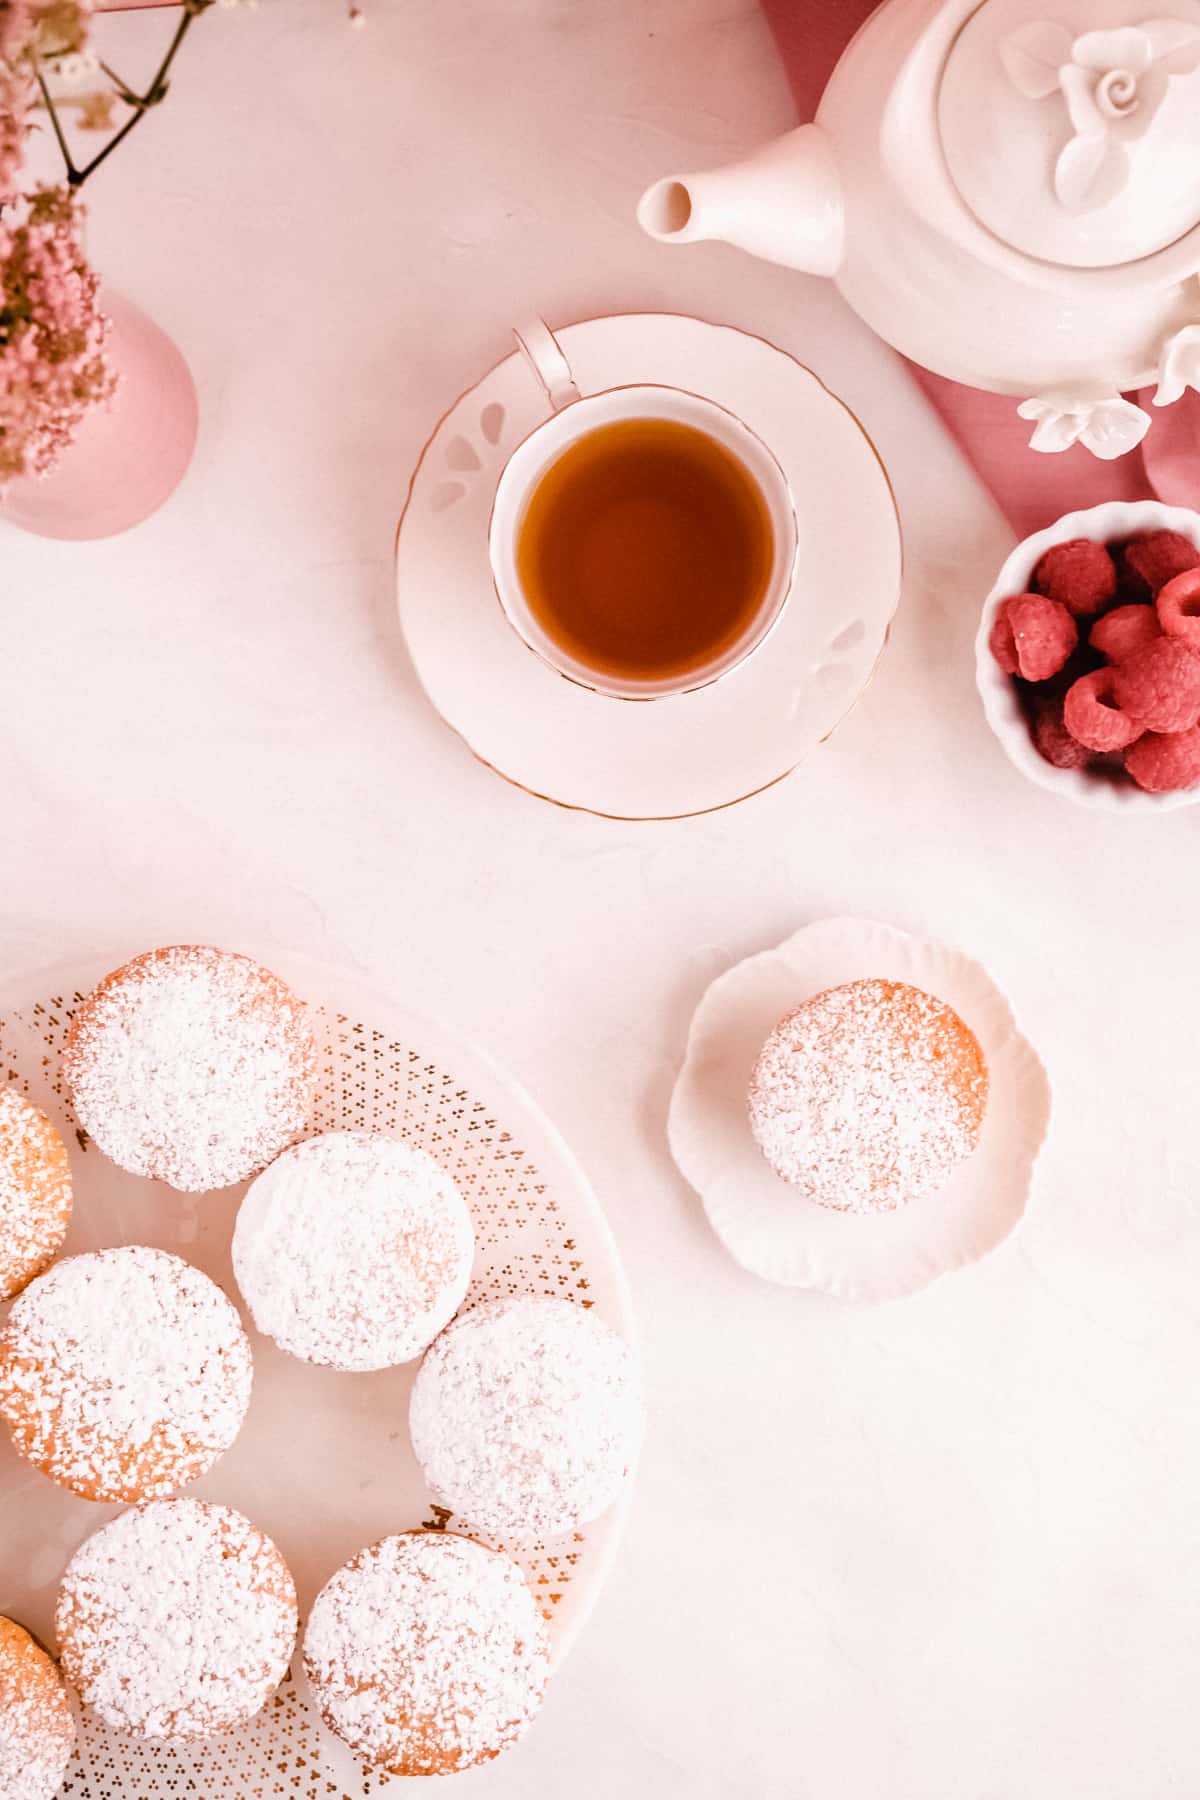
(323, 1463)
(764, 1224)
(691, 753)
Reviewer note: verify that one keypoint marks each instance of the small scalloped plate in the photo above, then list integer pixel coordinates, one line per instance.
(763, 1223)
(688, 753)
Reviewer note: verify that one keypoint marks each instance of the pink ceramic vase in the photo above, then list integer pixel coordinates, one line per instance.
(128, 458)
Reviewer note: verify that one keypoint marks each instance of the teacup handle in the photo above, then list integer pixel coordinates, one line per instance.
(544, 354)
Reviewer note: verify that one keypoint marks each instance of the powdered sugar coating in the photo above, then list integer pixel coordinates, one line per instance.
(192, 1065)
(124, 1373)
(526, 1417)
(427, 1653)
(35, 1192)
(868, 1095)
(37, 1732)
(353, 1250)
(177, 1621)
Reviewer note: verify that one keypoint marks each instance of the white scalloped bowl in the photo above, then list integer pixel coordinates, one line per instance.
(1002, 708)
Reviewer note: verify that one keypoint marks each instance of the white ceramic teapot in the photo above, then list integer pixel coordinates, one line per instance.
(1008, 192)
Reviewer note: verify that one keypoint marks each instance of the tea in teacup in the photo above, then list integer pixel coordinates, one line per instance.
(643, 539)
(645, 552)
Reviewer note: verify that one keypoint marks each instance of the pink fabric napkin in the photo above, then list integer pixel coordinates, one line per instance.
(1031, 489)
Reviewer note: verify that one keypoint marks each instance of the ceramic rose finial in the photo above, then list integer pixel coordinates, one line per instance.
(1113, 83)
(1107, 426)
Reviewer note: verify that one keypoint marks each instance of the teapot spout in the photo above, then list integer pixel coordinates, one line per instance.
(783, 202)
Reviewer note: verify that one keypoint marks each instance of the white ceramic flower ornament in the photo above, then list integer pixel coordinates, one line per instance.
(1113, 83)
(1179, 366)
(1105, 424)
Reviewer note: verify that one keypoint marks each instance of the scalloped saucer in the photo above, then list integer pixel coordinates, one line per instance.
(764, 1224)
(689, 753)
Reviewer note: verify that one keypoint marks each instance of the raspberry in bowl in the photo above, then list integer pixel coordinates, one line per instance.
(1088, 657)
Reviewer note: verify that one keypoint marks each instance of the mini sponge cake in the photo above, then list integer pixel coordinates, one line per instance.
(124, 1373)
(192, 1065)
(868, 1096)
(427, 1653)
(177, 1621)
(35, 1192)
(37, 1732)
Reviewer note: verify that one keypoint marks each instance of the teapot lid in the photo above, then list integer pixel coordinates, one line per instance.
(1071, 128)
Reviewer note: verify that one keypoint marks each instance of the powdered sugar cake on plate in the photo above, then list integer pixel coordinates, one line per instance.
(35, 1192)
(193, 1065)
(323, 1464)
(867, 1095)
(353, 1250)
(177, 1620)
(427, 1653)
(526, 1416)
(124, 1373)
(37, 1729)
(765, 1224)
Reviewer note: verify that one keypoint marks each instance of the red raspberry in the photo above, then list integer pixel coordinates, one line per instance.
(1081, 574)
(1033, 636)
(1126, 629)
(1160, 686)
(1091, 715)
(1002, 643)
(1179, 608)
(1053, 742)
(1164, 763)
(1152, 559)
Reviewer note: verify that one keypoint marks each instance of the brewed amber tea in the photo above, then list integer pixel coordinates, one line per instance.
(646, 550)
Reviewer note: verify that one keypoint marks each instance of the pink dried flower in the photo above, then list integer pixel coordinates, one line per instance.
(16, 28)
(53, 336)
(96, 110)
(17, 91)
(43, 27)
(30, 29)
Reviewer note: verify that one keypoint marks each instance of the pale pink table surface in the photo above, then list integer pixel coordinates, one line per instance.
(943, 1551)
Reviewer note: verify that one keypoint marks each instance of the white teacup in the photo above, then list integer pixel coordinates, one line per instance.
(572, 417)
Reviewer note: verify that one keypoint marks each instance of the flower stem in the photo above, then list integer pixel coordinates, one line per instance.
(139, 104)
(72, 171)
(123, 91)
